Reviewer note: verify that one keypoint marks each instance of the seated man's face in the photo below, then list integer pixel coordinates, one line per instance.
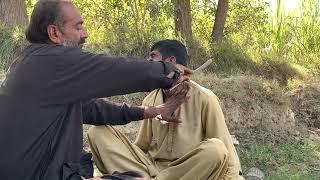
(155, 55)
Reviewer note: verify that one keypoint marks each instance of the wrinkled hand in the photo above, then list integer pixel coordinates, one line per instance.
(185, 73)
(172, 102)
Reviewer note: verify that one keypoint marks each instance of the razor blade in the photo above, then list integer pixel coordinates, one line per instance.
(199, 69)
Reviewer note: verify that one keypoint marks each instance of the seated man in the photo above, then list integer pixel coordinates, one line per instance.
(200, 147)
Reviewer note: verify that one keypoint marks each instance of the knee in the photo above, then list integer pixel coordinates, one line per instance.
(104, 136)
(99, 133)
(214, 150)
(94, 132)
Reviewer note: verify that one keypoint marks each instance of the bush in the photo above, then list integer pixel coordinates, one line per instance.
(11, 44)
(273, 67)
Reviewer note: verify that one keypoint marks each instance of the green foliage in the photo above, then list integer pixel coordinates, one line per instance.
(246, 21)
(11, 43)
(30, 4)
(255, 41)
(202, 19)
(230, 58)
(126, 27)
(294, 36)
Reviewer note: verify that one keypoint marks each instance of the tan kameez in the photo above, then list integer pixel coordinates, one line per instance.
(198, 148)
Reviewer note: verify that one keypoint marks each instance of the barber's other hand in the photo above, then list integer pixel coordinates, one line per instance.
(166, 110)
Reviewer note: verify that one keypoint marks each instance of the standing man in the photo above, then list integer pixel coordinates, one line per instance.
(199, 148)
(51, 90)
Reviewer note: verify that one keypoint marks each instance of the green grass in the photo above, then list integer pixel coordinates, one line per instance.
(292, 160)
(292, 176)
(295, 36)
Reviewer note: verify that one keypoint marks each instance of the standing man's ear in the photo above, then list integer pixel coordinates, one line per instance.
(54, 34)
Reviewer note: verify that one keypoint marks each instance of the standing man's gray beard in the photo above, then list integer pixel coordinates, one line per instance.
(69, 43)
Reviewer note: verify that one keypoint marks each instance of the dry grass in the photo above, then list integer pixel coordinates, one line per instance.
(253, 107)
(306, 103)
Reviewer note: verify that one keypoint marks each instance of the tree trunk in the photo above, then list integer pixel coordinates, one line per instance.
(13, 13)
(220, 19)
(183, 19)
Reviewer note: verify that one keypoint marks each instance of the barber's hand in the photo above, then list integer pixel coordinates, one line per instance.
(184, 73)
(173, 101)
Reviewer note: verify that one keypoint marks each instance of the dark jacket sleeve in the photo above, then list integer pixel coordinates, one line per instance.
(101, 112)
(80, 75)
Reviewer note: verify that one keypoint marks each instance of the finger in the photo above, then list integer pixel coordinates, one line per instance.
(182, 93)
(173, 105)
(182, 100)
(183, 79)
(180, 89)
(177, 89)
(187, 71)
(172, 119)
(185, 89)
(177, 99)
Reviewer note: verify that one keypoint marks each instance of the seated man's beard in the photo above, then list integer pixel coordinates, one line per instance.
(71, 43)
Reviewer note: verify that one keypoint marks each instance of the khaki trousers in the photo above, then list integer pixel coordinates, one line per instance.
(112, 151)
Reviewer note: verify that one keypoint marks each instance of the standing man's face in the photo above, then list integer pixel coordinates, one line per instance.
(155, 55)
(72, 34)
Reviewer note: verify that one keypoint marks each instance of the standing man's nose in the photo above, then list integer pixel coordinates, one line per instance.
(84, 33)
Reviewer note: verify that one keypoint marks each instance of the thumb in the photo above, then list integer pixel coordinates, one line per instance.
(171, 119)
